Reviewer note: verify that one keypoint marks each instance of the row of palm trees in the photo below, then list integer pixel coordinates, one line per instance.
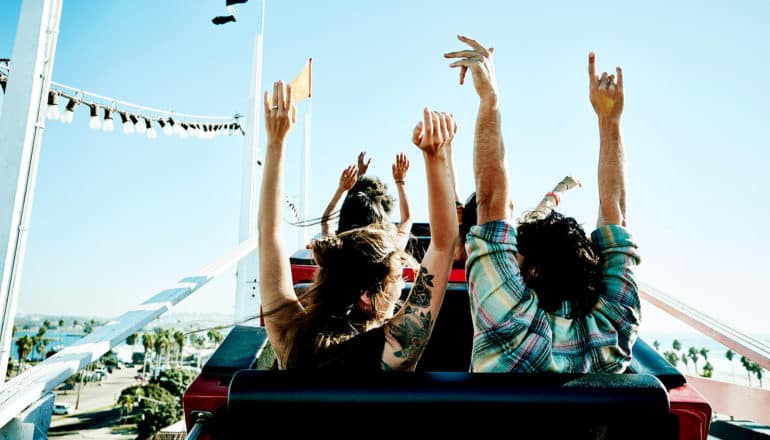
(693, 354)
(167, 344)
(35, 345)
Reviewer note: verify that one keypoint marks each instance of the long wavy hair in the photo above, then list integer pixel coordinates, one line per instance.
(361, 260)
(560, 263)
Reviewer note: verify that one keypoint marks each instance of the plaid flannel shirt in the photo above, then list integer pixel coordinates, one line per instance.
(511, 333)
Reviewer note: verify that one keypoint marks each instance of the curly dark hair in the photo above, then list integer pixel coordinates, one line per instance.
(560, 263)
(367, 203)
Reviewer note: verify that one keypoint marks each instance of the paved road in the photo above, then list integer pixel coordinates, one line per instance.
(95, 416)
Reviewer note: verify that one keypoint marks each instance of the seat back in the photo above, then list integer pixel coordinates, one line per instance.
(578, 406)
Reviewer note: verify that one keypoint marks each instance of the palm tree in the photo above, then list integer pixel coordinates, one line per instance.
(127, 402)
(708, 369)
(656, 344)
(24, 345)
(215, 336)
(148, 341)
(179, 339)
(47, 324)
(671, 357)
(131, 339)
(729, 355)
(685, 361)
(692, 352)
(61, 323)
(758, 373)
(747, 365)
(676, 345)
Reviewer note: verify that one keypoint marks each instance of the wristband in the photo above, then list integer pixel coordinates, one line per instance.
(400, 182)
(553, 194)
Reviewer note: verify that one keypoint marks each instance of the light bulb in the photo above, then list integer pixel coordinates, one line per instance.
(52, 112)
(151, 133)
(69, 114)
(168, 129)
(141, 128)
(183, 131)
(95, 122)
(128, 126)
(108, 124)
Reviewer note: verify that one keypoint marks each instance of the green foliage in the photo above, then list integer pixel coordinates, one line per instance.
(671, 357)
(176, 380)
(155, 418)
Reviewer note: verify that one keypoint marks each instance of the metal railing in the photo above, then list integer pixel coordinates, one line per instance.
(33, 384)
(740, 401)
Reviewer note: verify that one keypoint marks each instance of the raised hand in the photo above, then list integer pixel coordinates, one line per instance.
(348, 178)
(400, 167)
(433, 133)
(605, 92)
(363, 165)
(479, 62)
(280, 113)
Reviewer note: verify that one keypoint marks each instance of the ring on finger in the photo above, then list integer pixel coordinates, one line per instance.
(275, 107)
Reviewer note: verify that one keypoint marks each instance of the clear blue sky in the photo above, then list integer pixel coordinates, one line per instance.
(117, 217)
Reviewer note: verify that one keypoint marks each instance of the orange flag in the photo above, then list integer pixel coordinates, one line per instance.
(301, 85)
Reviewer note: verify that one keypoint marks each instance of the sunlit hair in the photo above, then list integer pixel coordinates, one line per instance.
(349, 264)
(368, 202)
(559, 263)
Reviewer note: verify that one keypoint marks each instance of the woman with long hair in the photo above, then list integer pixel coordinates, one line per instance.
(348, 318)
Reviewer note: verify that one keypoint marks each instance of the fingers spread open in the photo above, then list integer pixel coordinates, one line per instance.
(473, 43)
(461, 54)
(417, 134)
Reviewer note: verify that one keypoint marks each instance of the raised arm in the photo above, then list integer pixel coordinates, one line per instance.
(408, 332)
(347, 180)
(606, 94)
(363, 164)
(489, 152)
(275, 286)
(400, 168)
(449, 151)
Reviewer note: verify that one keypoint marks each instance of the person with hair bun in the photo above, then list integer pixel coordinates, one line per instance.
(348, 318)
(368, 201)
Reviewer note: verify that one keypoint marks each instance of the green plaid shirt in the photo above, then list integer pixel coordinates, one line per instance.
(511, 333)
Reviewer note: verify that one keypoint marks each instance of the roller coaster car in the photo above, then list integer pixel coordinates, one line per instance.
(236, 393)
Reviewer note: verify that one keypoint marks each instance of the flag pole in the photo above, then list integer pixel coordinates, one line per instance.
(247, 301)
(304, 201)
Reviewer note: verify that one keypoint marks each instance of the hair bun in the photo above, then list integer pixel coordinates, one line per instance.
(326, 249)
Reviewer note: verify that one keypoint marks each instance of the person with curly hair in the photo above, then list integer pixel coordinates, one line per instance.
(348, 318)
(544, 296)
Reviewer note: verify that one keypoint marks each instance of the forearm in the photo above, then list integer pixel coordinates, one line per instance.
(612, 179)
(489, 166)
(274, 273)
(403, 204)
(452, 176)
(326, 222)
(442, 214)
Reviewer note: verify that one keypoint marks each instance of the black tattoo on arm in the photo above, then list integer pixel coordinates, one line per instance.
(413, 330)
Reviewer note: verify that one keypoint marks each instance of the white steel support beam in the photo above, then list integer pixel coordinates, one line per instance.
(21, 391)
(247, 302)
(21, 131)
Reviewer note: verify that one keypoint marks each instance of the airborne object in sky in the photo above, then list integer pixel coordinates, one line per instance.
(222, 19)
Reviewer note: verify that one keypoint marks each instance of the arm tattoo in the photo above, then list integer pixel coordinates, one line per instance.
(413, 331)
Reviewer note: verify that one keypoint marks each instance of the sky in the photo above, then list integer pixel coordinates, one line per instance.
(118, 217)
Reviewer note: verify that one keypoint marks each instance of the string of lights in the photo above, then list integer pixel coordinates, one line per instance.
(133, 118)
(142, 120)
